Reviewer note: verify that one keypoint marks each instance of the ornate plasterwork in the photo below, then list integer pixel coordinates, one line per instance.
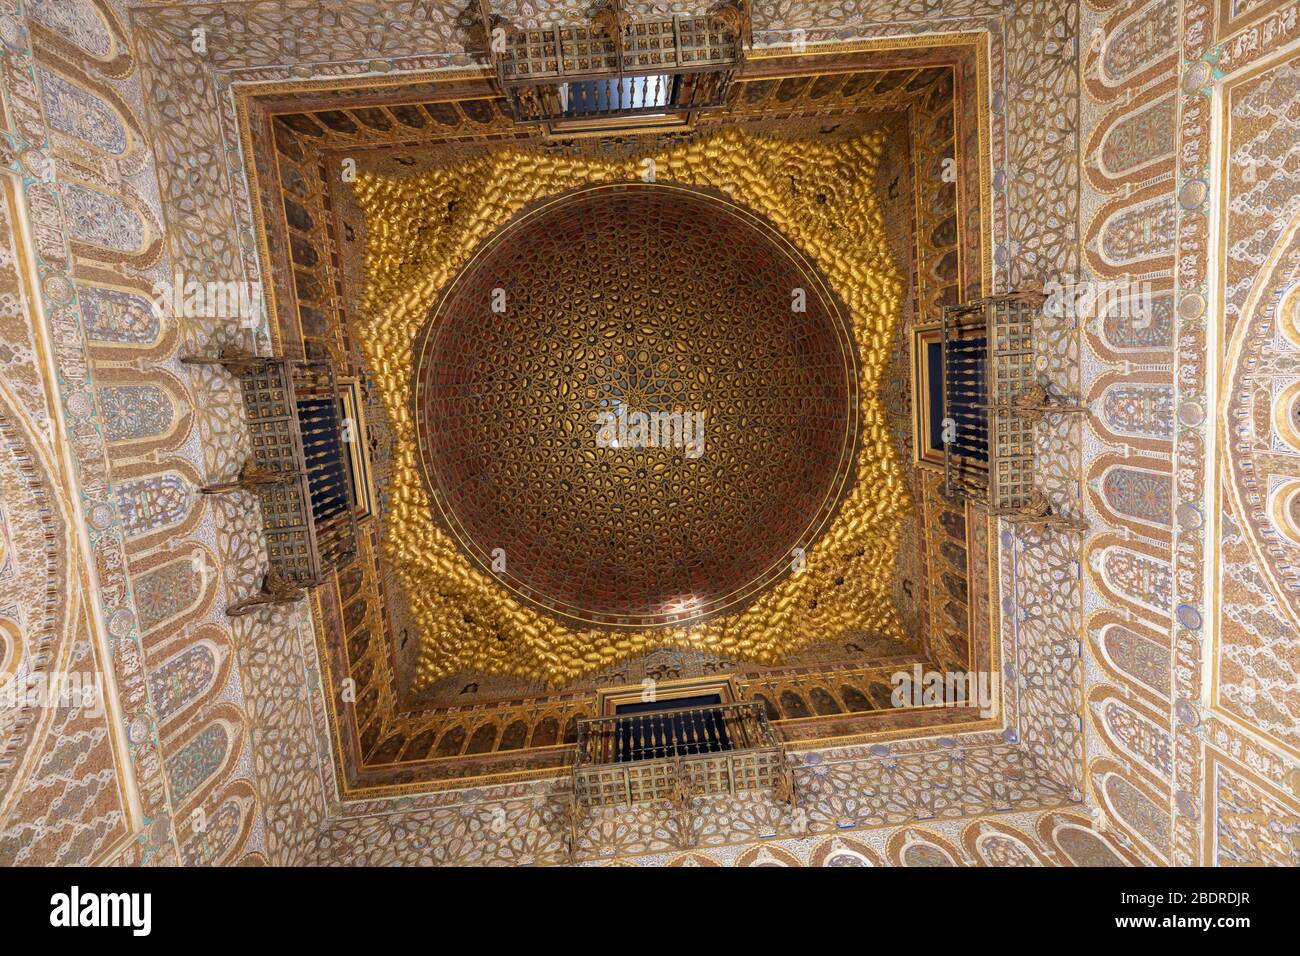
(1162, 628)
(1257, 668)
(126, 812)
(47, 632)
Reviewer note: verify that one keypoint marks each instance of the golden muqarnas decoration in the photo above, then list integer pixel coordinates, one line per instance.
(422, 230)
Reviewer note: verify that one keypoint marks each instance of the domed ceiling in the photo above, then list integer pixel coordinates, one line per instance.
(447, 655)
(636, 405)
(512, 300)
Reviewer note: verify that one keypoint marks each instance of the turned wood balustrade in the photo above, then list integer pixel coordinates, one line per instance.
(677, 755)
(992, 405)
(297, 468)
(614, 66)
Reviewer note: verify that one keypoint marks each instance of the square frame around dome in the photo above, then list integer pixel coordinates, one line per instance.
(378, 738)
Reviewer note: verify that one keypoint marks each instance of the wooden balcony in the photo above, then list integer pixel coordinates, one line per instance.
(992, 406)
(298, 468)
(679, 754)
(615, 69)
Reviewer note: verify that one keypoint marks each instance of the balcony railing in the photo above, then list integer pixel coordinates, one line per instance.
(298, 468)
(992, 405)
(671, 755)
(617, 67)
